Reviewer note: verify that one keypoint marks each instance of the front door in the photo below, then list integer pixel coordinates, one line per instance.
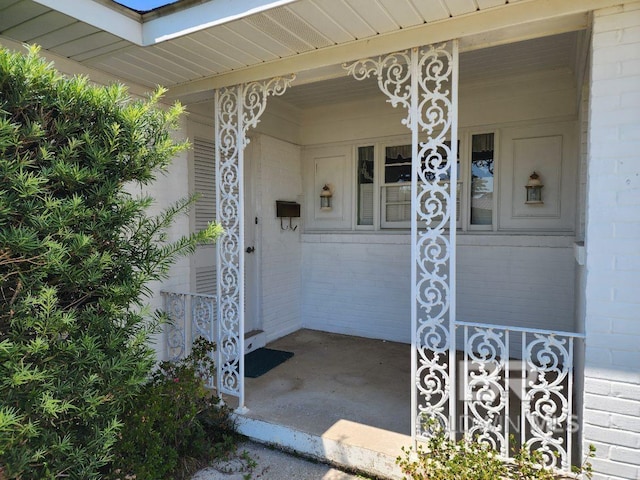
(252, 253)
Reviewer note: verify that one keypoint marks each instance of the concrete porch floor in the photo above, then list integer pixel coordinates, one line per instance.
(341, 399)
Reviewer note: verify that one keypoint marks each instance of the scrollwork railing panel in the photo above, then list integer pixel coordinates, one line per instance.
(518, 382)
(547, 397)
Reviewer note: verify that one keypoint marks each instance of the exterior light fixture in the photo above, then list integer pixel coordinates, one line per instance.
(325, 198)
(534, 189)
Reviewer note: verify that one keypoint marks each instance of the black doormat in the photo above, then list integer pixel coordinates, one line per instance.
(262, 360)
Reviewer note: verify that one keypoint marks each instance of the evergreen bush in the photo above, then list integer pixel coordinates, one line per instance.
(77, 251)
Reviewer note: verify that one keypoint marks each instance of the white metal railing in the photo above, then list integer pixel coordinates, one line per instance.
(191, 316)
(516, 386)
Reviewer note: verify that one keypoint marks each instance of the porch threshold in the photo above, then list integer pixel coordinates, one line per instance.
(346, 444)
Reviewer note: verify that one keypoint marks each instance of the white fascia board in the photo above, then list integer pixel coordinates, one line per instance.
(199, 17)
(100, 16)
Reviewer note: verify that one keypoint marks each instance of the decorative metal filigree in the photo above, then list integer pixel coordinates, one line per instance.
(486, 387)
(203, 318)
(546, 404)
(238, 108)
(421, 80)
(174, 307)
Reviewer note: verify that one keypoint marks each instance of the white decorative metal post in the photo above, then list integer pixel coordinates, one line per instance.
(238, 108)
(424, 81)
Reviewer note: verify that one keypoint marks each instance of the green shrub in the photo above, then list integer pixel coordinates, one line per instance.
(77, 251)
(441, 458)
(174, 424)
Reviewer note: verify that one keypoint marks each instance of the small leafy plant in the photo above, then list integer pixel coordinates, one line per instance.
(441, 458)
(175, 425)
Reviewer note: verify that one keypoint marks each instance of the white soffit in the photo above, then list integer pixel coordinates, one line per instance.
(160, 28)
(224, 42)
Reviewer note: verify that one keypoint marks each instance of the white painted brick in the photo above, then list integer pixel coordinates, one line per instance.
(613, 470)
(593, 385)
(630, 132)
(612, 405)
(614, 22)
(610, 436)
(606, 372)
(620, 85)
(628, 326)
(600, 419)
(624, 422)
(629, 360)
(625, 455)
(630, 99)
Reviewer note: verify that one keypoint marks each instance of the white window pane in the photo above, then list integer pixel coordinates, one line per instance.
(365, 185)
(482, 163)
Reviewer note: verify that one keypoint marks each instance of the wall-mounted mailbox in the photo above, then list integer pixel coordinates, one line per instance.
(286, 209)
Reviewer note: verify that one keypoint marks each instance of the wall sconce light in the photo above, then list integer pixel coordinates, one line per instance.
(534, 189)
(326, 196)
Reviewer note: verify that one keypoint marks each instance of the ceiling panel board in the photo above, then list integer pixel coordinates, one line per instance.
(303, 30)
(404, 13)
(490, 3)
(209, 60)
(349, 20)
(45, 23)
(20, 12)
(183, 58)
(94, 55)
(313, 12)
(539, 54)
(64, 35)
(255, 36)
(460, 7)
(221, 41)
(375, 15)
(161, 73)
(233, 37)
(7, 3)
(83, 44)
(430, 11)
(127, 71)
(179, 66)
(271, 26)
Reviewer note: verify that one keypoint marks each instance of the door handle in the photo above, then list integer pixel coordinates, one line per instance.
(250, 249)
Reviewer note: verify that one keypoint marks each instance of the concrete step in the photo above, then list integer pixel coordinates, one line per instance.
(348, 445)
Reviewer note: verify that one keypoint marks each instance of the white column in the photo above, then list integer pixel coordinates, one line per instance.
(612, 309)
(423, 80)
(237, 109)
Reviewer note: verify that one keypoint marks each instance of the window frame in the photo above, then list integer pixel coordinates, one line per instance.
(376, 188)
(468, 226)
(463, 220)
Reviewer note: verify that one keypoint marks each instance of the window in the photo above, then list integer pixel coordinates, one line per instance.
(396, 191)
(383, 190)
(482, 164)
(366, 185)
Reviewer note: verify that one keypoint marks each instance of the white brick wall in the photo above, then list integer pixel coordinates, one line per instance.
(612, 323)
(364, 288)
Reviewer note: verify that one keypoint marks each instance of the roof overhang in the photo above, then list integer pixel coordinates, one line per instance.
(181, 21)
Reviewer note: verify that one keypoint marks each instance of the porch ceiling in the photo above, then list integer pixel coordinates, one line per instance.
(187, 63)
